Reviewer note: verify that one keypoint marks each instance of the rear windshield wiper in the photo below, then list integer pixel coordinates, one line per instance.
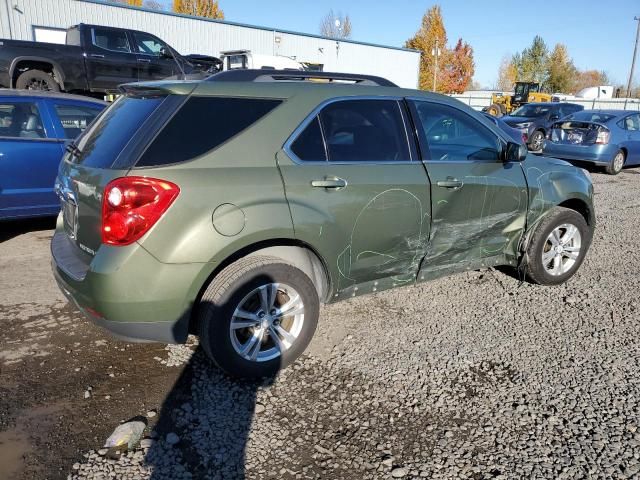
(72, 148)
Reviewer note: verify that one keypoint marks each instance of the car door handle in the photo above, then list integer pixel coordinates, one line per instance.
(96, 55)
(330, 182)
(144, 60)
(453, 183)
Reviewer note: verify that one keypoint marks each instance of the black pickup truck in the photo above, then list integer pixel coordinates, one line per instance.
(95, 60)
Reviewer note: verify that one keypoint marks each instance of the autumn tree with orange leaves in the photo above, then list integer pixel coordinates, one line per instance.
(455, 66)
(199, 8)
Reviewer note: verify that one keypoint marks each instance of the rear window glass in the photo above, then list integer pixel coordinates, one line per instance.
(201, 125)
(309, 145)
(103, 141)
(586, 116)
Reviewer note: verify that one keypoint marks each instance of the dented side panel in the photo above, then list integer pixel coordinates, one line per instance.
(478, 224)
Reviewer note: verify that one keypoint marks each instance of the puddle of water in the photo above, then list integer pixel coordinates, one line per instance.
(14, 445)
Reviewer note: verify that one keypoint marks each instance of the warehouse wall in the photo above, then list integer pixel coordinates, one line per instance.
(191, 35)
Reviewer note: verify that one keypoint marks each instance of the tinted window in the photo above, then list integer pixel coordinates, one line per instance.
(453, 135)
(202, 124)
(75, 118)
(147, 44)
(103, 141)
(115, 40)
(20, 120)
(364, 131)
(309, 145)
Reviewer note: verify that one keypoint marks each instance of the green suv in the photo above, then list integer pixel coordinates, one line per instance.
(232, 207)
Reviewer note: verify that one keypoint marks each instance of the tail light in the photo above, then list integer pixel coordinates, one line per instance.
(603, 137)
(132, 205)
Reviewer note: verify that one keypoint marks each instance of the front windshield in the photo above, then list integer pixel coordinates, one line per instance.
(532, 111)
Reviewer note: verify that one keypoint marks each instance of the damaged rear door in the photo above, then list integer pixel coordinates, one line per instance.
(479, 202)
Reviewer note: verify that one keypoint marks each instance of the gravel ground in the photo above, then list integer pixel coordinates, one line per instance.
(473, 376)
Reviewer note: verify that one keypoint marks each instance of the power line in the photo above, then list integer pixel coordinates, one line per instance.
(633, 61)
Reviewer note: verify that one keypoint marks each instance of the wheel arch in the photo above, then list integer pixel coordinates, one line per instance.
(50, 66)
(294, 252)
(581, 207)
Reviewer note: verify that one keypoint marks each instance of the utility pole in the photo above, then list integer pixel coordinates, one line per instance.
(633, 62)
(436, 53)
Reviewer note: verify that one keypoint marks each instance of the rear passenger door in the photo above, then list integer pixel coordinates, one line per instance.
(29, 159)
(358, 193)
(631, 124)
(109, 58)
(479, 202)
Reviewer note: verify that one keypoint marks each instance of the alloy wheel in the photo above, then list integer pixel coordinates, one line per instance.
(561, 249)
(618, 162)
(267, 322)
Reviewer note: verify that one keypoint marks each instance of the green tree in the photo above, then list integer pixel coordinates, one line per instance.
(199, 8)
(561, 72)
(431, 32)
(531, 64)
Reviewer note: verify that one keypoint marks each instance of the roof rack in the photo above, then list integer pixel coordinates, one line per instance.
(266, 75)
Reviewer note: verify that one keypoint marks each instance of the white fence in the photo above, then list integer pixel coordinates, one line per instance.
(478, 102)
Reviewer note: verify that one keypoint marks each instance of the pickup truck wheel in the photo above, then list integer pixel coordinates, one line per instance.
(616, 164)
(257, 316)
(37, 80)
(557, 247)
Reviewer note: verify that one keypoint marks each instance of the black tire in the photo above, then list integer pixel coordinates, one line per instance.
(228, 290)
(536, 140)
(37, 80)
(495, 110)
(616, 164)
(537, 271)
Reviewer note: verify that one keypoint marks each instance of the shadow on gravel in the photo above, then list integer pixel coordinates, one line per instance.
(209, 415)
(12, 228)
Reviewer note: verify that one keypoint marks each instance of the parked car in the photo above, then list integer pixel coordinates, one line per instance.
(609, 138)
(34, 128)
(95, 59)
(535, 119)
(233, 207)
(519, 136)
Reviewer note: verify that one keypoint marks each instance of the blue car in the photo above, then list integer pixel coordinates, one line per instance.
(608, 138)
(34, 129)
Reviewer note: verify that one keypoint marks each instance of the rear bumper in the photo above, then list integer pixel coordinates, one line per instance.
(126, 290)
(595, 154)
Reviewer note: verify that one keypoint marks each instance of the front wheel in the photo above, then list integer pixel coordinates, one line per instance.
(558, 246)
(257, 316)
(536, 141)
(616, 164)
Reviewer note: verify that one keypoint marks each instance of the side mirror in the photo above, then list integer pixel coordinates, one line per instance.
(515, 152)
(165, 53)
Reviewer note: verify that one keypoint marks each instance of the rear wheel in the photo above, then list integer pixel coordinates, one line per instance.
(558, 246)
(37, 80)
(616, 164)
(257, 316)
(536, 140)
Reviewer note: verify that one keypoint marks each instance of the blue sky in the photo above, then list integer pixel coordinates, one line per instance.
(599, 34)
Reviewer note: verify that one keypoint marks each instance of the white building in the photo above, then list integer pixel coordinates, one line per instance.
(46, 20)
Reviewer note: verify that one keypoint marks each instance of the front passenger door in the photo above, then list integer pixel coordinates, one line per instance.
(151, 64)
(479, 203)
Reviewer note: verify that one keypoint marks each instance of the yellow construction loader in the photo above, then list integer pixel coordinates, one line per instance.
(524, 92)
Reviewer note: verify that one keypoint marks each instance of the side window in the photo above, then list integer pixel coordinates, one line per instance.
(632, 123)
(147, 44)
(365, 131)
(75, 118)
(21, 120)
(309, 145)
(450, 134)
(114, 40)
